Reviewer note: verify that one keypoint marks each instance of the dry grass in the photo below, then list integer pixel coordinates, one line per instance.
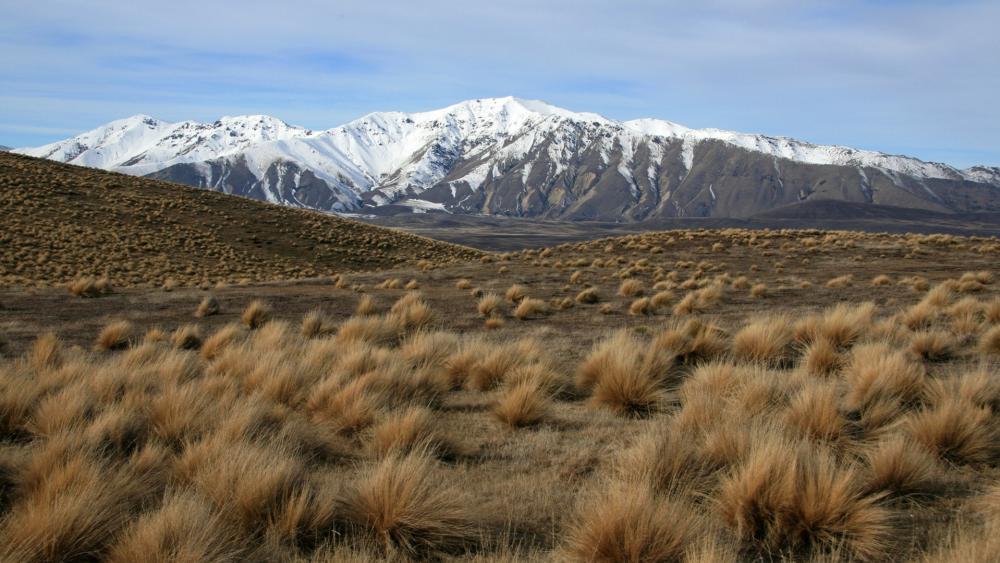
(630, 288)
(529, 307)
(256, 314)
(401, 507)
(490, 305)
(796, 499)
(115, 336)
(209, 306)
(523, 404)
(215, 238)
(813, 426)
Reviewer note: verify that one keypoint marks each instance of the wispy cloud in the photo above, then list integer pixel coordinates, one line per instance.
(886, 75)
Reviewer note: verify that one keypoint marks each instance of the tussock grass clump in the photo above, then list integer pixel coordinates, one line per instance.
(209, 306)
(932, 346)
(881, 280)
(989, 342)
(115, 336)
(256, 314)
(515, 293)
(700, 300)
(641, 306)
(490, 305)
(184, 528)
(767, 340)
(796, 499)
(630, 288)
(46, 353)
(404, 509)
(187, 337)
(629, 522)
(821, 358)
(876, 373)
(589, 295)
(758, 290)
(661, 299)
(956, 431)
(410, 430)
(315, 323)
(902, 467)
(529, 307)
(525, 403)
(90, 287)
(219, 341)
(814, 411)
(840, 281)
(619, 379)
(366, 307)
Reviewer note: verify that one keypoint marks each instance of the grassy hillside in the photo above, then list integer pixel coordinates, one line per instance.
(61, 222)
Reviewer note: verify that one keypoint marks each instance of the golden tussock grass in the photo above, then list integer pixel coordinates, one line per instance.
(115, 336)
(521, 404)
(588, 296)
(630, 288)
(620, 379)
(208, 306)
(256, 314)
(410, 430)
(515, 293)
(881, 280)
(956, 430)
(795, 498)
(840, 281)
(529, 307)
(628, 522)
(490, 305)
(187, 337)
(758, 290)
(401, 507)
(903, 468)
(767, 340)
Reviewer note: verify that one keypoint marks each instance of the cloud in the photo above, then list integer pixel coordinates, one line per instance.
(884, 75)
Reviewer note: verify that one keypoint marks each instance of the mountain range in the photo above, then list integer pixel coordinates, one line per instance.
(514, 157)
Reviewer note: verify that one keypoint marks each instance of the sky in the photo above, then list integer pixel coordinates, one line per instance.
(920, 77)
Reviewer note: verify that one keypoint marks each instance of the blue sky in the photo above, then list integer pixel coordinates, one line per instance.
(920, 78)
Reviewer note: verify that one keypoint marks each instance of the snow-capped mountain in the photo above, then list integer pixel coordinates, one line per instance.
(519, 157)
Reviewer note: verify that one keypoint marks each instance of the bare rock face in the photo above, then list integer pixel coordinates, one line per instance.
(521, 158)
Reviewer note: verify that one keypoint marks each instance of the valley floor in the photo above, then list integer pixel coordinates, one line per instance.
(710, 395)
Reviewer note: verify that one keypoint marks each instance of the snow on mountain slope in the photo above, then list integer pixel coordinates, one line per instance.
(503, 155)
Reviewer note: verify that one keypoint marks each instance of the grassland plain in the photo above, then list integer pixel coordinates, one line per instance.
(701, 395)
